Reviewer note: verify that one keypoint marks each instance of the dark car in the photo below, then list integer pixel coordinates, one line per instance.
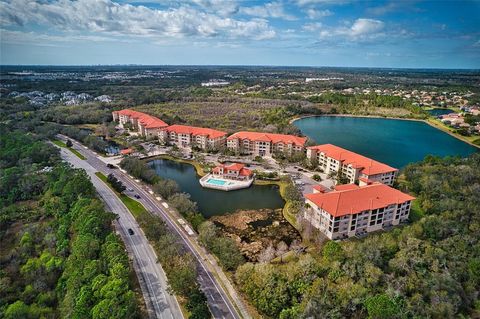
(136, 196)
(111, 166)
(130, 232)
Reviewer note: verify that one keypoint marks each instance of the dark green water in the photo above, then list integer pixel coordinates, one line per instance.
(213, 202)
(394, 142)
(437, 112)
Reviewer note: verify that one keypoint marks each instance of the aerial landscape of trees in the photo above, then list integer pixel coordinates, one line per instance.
(428, 269)
(60, 257)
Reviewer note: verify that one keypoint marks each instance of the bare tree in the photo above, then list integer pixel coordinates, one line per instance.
(267, 254)
(282, 248)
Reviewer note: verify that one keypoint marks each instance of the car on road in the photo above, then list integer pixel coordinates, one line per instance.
(130, 189)
(111, 166)
(131, 232)
(136, 196)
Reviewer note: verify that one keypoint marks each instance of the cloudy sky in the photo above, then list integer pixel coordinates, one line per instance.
(402, 33)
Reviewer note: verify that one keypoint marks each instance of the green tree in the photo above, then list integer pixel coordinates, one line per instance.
(381, 306)
(166, 188)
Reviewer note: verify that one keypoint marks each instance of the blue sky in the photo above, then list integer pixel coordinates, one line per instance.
(404, 33)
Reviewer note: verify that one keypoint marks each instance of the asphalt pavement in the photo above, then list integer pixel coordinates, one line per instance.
(153, 281)
(218, 301)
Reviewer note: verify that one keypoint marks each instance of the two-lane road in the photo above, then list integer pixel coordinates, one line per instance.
(217, 297)
(153, 281)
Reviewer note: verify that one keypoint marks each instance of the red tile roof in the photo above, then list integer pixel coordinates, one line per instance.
(352, 201)
(345, 187)
(320, 188)
(234, 166)
(238, 167)
(126, 151)
(366, 180)
(245, 172)
(268, 137)
(184, 129)
(144, 119)
(369, 166)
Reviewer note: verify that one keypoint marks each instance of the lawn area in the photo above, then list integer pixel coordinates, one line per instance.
(133, 206)
(59, 143)
(74, 151)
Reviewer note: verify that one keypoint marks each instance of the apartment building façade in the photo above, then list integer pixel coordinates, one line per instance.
(265, 144)
(334, 159)
(144, 124)
(189, 136)
(351, 210)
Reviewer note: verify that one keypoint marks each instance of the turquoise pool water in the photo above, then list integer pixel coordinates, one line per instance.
(216, 182)
(394, 142)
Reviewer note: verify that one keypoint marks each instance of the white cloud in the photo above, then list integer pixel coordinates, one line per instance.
(221, 7)
(361, 29)
(315, 14)
(268, 10)
(366, 26)
(312, 26)
(304, 3)
(38, 39)
(107, 17)
(384, 9)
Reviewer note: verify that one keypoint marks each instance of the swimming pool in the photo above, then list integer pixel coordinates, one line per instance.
(216, 181)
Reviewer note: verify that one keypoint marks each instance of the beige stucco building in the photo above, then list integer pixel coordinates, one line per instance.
(332, 159)
(265, 144)
(189, 136)
(141, 123)
(352, 210)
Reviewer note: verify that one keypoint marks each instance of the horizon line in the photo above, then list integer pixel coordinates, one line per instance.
(235, 65)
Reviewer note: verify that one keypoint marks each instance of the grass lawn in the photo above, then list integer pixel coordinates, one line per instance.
(133, 206)
(74, 151)
(59, 143)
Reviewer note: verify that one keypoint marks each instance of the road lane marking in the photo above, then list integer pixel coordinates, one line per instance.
(105, 192)
(185, 240)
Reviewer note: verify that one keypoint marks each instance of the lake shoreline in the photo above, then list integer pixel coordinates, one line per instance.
(197, 170)
(427, 121)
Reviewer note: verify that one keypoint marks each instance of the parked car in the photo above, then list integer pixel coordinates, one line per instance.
(131, 232)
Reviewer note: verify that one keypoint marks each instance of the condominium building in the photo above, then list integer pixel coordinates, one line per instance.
(145, 125)
(352, 210)
(189, 136)
(334, 159)
(265, 144)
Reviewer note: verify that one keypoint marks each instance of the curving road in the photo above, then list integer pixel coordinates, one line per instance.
(160, 303)
(212, 280)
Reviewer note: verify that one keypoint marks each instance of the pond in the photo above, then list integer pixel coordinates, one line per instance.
(394, 142)
(214, 202)
(438, 112)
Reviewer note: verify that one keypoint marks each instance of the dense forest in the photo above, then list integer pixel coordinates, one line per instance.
(59, 256)
(428, 269)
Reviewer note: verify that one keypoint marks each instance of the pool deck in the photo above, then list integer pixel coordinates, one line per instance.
(230, 184)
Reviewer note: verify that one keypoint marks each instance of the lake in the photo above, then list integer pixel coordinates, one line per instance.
(214, 202)
(438, 112)
(394, 142)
